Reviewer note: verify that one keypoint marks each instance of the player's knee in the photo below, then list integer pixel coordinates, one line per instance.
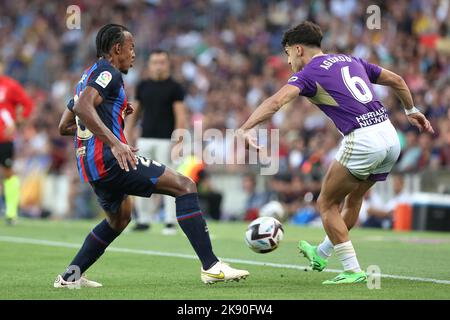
(185, 185)
(119, 223)
(120, 220)
(325, 203)
(322, 203)
(189, 185)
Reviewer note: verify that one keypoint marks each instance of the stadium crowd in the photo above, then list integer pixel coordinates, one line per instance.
(228, 56)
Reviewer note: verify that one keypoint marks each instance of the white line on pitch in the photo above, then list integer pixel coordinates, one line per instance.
(189, 256)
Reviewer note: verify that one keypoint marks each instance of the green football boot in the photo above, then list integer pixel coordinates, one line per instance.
(348, 277)
(317, 262)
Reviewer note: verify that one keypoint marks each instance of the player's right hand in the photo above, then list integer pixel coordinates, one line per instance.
(249, 138)
(125, 155)
(420, 121)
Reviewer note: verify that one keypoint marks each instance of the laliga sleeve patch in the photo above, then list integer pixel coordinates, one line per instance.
(103, 79)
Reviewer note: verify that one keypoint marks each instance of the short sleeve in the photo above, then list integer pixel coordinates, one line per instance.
(178, 92)
(373, 71)
(301, 81)
(106, 81)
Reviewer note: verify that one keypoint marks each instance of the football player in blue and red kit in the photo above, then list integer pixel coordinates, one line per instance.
(95, 117)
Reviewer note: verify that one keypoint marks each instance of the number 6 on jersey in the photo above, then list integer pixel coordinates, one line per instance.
(351, 84)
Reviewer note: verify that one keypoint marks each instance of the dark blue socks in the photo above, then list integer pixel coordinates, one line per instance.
(93, 247)
(191, 221)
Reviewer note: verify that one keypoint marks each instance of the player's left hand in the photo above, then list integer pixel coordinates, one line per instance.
(420, 121)
(129, 109)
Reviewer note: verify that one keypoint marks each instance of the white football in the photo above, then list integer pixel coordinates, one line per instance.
(264, 234)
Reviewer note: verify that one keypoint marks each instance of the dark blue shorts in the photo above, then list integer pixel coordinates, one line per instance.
(118, 184)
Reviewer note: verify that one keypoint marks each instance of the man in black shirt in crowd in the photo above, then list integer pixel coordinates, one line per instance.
(159, 105)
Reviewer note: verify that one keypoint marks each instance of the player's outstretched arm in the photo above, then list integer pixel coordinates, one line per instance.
(266, 110)
(85, 109)
(67, 125)
(396, 82)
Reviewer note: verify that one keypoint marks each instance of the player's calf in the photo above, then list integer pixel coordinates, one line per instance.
(189, 214)
(190, 218)
(119, 220)
(93, 247)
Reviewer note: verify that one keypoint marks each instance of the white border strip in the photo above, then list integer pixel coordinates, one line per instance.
(188, 256)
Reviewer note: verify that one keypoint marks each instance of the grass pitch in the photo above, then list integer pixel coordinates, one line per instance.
(148, 265)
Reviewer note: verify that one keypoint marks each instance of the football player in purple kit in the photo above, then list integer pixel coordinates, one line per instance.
(95, 118)
(341, 86)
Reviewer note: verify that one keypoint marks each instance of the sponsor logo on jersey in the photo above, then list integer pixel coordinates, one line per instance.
(103, 79)
(81, 152)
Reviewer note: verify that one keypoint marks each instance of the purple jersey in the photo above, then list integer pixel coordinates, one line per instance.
(341, 86)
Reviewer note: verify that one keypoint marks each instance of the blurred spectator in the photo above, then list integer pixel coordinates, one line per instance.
(372, 202)
(379, 214)
(255, 199)
(159, 108)
(308, 213)
(210, 199)
(409, 160)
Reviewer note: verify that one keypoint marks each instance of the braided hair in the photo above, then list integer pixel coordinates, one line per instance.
(107, 37)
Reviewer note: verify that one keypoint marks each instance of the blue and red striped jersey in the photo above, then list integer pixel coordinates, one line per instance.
(94, 158)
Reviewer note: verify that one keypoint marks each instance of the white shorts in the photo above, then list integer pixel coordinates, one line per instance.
(370, 152)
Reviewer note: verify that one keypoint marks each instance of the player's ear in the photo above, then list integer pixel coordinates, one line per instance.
(300, 50)
(117, 48)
